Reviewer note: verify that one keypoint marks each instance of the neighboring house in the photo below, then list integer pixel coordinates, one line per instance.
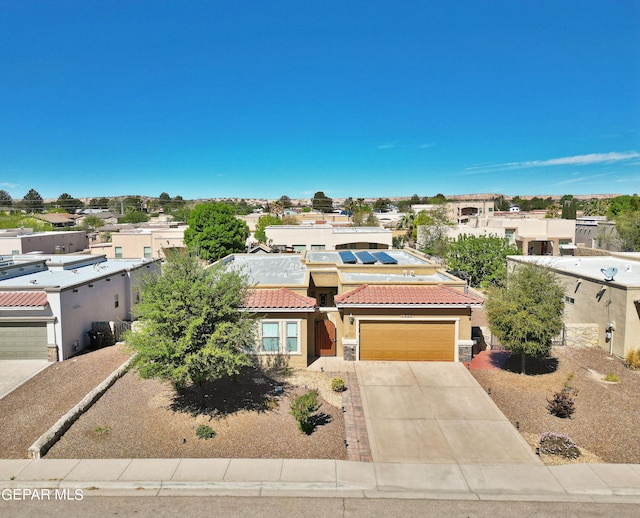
(461, 211)
(365, 304)
(48, 304)
(24, 241)
(531, 236)
(324, 236)
(602, 305)
(147, 242)
(59, 219)
(597, 232)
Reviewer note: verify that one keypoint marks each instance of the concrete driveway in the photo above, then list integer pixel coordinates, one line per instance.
(14, 373)
(436, 413)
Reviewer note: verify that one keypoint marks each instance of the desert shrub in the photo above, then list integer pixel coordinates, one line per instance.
(302, 409)
(562, 404)
(611, 377)
(337, 385)
(632, 359)
(205, 432)
(553, 443)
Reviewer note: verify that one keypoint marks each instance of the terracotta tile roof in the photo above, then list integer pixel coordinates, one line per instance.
(23, 299)
(282, 298)
(406, 295)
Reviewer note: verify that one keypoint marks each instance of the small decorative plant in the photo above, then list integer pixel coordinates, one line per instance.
(337, 385)
(101, 430)
(611, 378)
(302, 409)
(632, 359)
(562, 404)
(553, 443)
(205, 432)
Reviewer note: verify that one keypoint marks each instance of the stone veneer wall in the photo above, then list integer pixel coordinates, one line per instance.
(349, 352)
(581, 335)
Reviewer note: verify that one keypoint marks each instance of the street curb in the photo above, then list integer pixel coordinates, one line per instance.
(51, 436)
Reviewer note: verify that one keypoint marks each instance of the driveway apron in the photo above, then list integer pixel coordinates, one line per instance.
(435, 413)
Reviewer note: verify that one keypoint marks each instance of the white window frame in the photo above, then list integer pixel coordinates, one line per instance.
(283, 337)
(117, 252)
(146, 251)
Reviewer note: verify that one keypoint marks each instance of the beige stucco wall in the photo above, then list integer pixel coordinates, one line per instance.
(327, 236)
(46, 242)
(133, 243)
(306, 340)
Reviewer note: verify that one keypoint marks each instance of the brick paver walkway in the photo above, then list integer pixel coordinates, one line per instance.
(358, 448)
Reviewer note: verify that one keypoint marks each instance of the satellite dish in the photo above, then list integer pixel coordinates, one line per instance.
(609, 273)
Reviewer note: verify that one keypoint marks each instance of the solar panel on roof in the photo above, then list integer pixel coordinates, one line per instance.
(366, 258)
(384, 258)
(348, 257)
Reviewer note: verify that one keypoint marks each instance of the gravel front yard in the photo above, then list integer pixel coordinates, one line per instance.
(139, 418)
(31, 409)
(607, 416)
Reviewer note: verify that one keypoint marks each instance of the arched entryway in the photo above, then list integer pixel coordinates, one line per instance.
(325, 338)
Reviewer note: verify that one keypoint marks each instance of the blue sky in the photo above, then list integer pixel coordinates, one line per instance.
(262, 98)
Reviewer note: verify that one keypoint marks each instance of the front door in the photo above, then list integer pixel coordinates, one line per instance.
(325, 338)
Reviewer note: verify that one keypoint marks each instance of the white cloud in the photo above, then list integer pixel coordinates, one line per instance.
(427, 146)
(388, 145)
(9, 185)
(583, 178)
(589, 159)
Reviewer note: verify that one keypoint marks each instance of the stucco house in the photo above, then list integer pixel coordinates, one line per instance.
(25, 241)
(146, 242)
(325, 236)
(361, 304)
(602, 299)
(48, 304)
(532, 236)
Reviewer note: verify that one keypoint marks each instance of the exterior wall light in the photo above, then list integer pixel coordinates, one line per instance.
(351, 318)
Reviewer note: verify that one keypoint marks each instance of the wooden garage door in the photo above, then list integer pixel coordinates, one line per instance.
(23, 341)
(419, 341)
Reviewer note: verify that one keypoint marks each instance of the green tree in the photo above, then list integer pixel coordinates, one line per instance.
(438, 199)
(135, 216)
(5, 200)
(569, 209)
(382, 204)
(214, 231)
(415, 200)
(621, 204)
(501, 204)
(321, 202)
(433, 236)
(99, 203)
(285, 201)
(69, 203)
(32, 202)
(482, 259)
(595, 207)
(263, 223)
(191, 330)
(526, 313)
(628, 230)
(363, 216)
(91, 222)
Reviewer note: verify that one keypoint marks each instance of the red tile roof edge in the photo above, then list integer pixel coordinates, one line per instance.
(355, 296)
(284, 299)
(23, 299)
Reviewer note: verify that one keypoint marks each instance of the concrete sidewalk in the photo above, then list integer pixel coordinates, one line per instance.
(619, 483)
